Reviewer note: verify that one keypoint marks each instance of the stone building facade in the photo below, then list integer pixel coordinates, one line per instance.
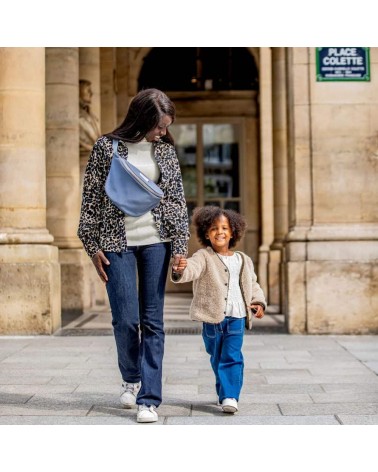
(256, 132)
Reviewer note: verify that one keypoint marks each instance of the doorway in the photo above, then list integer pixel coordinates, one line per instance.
(216, 132)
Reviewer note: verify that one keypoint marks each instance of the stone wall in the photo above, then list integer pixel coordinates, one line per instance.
(332, 250)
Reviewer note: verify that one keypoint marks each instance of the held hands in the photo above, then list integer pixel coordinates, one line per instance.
(179, 263)
(257, 310)
(98, 260)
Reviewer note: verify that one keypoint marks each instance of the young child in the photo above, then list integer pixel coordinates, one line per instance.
(224, 288)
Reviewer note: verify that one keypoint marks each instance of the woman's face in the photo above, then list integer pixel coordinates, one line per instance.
(156, 133)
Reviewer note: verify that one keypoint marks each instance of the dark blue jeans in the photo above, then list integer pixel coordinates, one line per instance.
(223, 341)
(136, 288)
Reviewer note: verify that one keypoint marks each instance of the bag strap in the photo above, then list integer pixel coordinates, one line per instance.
(115, 146)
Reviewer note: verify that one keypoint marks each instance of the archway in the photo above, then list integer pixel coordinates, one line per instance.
(195, 69)
(215, 91)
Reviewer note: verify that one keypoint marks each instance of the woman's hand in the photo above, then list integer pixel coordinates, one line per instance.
(258, 311)
(98, 260)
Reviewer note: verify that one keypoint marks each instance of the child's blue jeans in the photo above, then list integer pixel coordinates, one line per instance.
(223, 341)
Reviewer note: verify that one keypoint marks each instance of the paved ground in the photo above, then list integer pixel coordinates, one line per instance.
(317, 380)
(72, 377)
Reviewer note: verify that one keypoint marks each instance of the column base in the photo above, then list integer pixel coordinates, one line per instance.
(82, 289)
(30, 297)
(332, 279)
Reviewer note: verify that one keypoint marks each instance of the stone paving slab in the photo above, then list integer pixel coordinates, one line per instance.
(284, 389)
(35, 389)
(373, 365)
(28, 410)
(13, 397)
(350, 387)
(365, 356)
(40, 371)
(358, 369)
(358, 419)
(24, 380)
(98, 388)
(253, 420)
(66, 420)
(324, 379)
(306, 409)
(343, 397)
(309, 363)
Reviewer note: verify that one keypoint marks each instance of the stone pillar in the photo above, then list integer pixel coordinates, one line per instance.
(266, 133)
(89, 60)
(300, 188)
(332, 244)
(108, 89)
(29, 267)
(63, 173)
(122, 81)
(90, 68)
(250, 179)
(280, 176)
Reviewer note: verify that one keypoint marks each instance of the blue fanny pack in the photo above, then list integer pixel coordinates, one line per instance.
(129, 189)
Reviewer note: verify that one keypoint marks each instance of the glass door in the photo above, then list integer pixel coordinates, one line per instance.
(221, 165)
(209, 155)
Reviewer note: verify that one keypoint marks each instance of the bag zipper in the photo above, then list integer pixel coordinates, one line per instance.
(138, 179)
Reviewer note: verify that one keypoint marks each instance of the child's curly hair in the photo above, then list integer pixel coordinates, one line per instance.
(204, 217)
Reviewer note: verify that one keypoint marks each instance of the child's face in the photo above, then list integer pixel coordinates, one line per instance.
(220, 234)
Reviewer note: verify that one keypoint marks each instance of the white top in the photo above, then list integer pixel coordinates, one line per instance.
(142, 230)
(235, 304)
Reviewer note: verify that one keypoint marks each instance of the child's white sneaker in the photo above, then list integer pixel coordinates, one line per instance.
(229, 405)
(146, 414)
(129, 392)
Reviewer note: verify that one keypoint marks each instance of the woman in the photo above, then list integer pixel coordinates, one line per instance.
(131, 255)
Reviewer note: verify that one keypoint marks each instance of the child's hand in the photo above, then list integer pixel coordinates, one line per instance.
(258, 311)
(179, 264)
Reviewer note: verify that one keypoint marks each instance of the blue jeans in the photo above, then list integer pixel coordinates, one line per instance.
(223, 341)
(136, 287)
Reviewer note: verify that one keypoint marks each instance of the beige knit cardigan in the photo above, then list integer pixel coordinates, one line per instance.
(211, 279)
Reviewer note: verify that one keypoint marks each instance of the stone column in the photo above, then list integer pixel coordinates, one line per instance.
(300, 188)
(332, 244)
(280, 176)
(122, 81)
(266, 133)
(63, 173)
(90, 68)
(89, 61)
(29, 268)
(108, 89)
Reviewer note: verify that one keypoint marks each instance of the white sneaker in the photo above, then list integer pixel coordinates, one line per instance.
(129, 392)
(146, 414)
(229, 405)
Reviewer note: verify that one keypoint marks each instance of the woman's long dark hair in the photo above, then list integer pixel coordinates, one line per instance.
(144, 113)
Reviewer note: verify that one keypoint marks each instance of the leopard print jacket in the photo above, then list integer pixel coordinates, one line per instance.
(102, 226)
